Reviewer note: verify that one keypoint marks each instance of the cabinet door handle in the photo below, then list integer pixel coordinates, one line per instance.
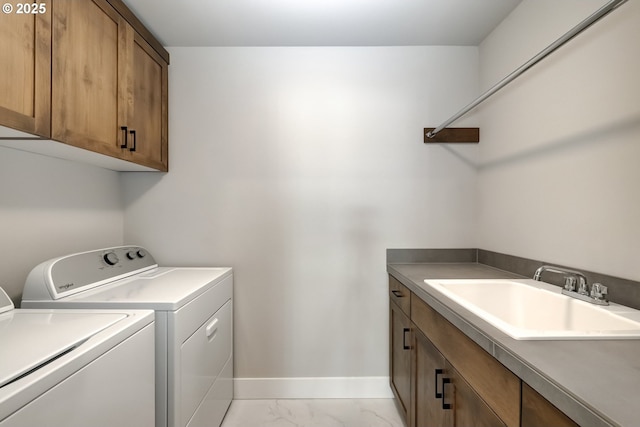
(404, 339)
(438, 394)
(211, 329)
(444, 382)
(397, 293)
(133, 134)
(125, 142)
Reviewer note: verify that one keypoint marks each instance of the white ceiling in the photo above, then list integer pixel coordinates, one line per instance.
(321, 22)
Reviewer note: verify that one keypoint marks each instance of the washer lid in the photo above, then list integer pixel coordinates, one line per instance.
(30, 340)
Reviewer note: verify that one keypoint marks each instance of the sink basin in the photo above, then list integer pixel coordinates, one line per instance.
(530, 310)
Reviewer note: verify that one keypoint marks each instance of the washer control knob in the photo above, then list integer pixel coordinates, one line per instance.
(111, 258)
(131, 255)
(141, 253)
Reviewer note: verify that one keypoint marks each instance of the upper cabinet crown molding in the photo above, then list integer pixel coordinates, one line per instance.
(99, 82)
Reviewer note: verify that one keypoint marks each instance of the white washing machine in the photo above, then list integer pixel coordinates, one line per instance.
(193, 321)
(76, 368)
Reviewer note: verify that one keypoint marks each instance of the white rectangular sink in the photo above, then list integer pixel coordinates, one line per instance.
(530, 310)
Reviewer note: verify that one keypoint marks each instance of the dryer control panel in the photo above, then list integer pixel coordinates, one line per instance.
(74, 273)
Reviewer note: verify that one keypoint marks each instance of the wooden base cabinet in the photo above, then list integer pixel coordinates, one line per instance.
(450, 380)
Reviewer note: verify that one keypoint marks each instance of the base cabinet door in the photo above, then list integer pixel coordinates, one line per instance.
(429, 407)
(539, 412)
(400, 357)
(467, 406)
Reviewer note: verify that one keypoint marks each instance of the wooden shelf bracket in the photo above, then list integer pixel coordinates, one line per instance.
(453, 135)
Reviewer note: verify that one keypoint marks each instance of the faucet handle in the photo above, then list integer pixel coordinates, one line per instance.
(583, 289)
(570, 283)
(599, 292)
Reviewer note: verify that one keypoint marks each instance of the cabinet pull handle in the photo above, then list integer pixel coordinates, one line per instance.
(397, 293)
(438, 372)
(124, 139)
(404, 339)
(133, 134)
(211, 329)
(445, 405)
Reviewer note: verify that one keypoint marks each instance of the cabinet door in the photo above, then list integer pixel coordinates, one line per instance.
(468, 408)
(400, 357)
(146, 104)
(539, 412)
(88, 48)
(429, 373)
(25, 66)
(498, 386)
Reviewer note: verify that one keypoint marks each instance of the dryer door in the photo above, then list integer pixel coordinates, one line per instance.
(203, 355)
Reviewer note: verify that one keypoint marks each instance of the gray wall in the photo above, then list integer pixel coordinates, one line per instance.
(299, 167)
(558, 169)
(51, 207)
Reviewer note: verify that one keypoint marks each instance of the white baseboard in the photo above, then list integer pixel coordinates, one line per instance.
(312, 388)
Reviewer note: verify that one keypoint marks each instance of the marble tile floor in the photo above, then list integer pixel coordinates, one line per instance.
(313, 413)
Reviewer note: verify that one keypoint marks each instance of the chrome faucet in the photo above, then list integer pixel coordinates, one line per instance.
(598, 292)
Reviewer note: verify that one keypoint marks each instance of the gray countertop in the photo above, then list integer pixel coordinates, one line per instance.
(596, 383)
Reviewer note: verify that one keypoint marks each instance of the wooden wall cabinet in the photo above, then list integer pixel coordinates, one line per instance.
(109, 87)
(98, 83)
(25, 66)
(452, 380)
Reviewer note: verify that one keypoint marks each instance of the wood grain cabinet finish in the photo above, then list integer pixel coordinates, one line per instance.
(400, 295)
(87, 74)
(441, 395)
(400, 357)
(88, 54)
(450, 380)
(146, 104)
(25, 66)
(429, 370)
(109, 87)
(494, 383)
(469, 407)
(539, 412)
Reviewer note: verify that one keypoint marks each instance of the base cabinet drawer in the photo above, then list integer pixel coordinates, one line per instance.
(400, 295)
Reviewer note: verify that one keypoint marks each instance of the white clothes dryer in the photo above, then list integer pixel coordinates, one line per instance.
(76, 368)
(193, 320)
